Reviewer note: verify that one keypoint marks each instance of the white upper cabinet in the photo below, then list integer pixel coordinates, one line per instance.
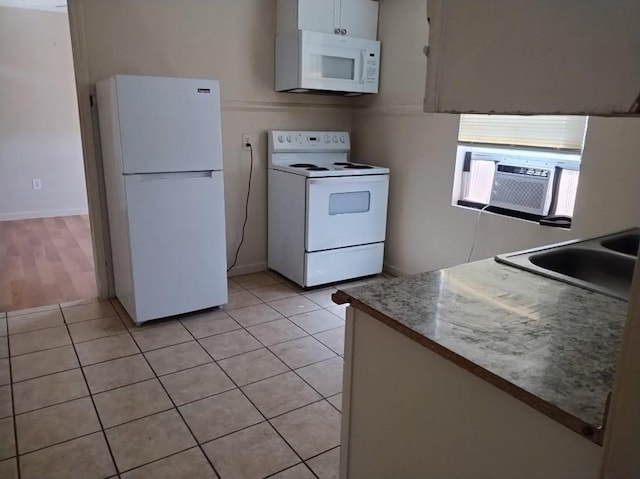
(359, 18)
(314, 15)
(546, 57)
(352, 18)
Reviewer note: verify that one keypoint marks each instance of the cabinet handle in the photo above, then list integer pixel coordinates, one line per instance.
(336, 31)
(344, 31)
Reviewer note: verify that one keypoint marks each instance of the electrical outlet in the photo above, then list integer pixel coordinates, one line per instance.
(246, 138)
(36, 183)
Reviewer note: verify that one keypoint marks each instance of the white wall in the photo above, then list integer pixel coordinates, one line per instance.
(232, 42)
(424, 231)
(39, 127)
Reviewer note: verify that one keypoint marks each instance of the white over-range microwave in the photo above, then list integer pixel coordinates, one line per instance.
(312, 62)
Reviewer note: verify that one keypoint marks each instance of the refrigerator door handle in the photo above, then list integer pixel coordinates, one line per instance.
(181, 175)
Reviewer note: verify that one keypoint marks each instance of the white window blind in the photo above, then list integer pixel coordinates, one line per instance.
(477, 186)
(566, 199)
(540, 131)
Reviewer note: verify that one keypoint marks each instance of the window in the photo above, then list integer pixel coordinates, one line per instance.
(524, 166)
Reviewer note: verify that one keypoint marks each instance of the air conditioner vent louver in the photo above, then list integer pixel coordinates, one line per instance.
(522, 188)
(519, 192)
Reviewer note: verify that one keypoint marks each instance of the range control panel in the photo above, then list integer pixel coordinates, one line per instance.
(283, 140)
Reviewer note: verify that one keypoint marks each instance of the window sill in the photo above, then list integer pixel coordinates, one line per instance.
(531, 218)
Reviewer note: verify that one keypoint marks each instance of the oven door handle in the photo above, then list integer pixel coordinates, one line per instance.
(350, 179)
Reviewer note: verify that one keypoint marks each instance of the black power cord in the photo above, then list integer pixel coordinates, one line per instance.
(246, 210)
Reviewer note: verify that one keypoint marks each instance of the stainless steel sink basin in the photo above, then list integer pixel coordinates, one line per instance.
(604, 264)
(627, 244)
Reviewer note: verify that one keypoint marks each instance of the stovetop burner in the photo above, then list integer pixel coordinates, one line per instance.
(352, 166)
(317, 168)
(358, 167)
(303, 165)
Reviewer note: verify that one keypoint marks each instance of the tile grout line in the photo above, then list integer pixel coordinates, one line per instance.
(175, 407)
(143, 353)
(292, 369)
(54, 404)
(39, 329)
(95, 409)
(313, 474)
(45, 375)
(322, 398)
(130, 331)
(296, 324)
(324, 452)
(13, 402)
(60, 442)
(254, 406)
(283, 362)
(164, 457)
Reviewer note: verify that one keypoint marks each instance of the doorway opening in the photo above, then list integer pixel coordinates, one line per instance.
(46, 253)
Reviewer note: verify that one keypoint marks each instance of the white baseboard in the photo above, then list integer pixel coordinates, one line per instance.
(29, 215)
(247, 268)
(392, 270)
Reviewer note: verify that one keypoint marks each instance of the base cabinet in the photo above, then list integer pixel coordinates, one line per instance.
(410, 413)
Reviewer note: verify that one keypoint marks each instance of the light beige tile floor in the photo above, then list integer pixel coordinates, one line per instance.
(247, 391)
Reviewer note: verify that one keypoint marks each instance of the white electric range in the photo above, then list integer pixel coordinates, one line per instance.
(327, 216)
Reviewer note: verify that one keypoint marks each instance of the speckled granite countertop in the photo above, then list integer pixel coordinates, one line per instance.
(547, 343)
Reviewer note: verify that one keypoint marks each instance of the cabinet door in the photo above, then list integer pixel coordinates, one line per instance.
(317, 15)
(359, 18)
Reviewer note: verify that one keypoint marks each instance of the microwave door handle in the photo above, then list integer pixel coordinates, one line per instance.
(362, 67)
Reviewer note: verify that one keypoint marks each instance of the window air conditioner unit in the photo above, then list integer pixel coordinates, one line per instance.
(522, 188)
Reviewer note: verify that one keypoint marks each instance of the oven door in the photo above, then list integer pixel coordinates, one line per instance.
(346, 211)
(329, 62)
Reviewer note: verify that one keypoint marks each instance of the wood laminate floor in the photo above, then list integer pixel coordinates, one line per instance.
(45, 261)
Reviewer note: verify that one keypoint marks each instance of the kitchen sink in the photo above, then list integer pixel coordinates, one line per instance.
(627, 244)
(604, 264)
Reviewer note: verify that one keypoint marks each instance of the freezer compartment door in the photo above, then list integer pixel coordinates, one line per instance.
(177, 236)
(169, 124)
(341, 264)
(346, 211)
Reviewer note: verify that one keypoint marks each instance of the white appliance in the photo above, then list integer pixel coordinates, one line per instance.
(318, 62)
(162, 155)
(522, 188)
(327, 216)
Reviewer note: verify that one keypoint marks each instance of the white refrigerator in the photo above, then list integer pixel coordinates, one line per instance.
(162, 159)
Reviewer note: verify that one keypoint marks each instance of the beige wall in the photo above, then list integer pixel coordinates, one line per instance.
(424, 231)
(39, 128)
(233, 42)
(228, 41)
(547, 56)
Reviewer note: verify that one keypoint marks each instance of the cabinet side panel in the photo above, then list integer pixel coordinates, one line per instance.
(349, 352)
(413, 413)
(116, 198)
(287, 62)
